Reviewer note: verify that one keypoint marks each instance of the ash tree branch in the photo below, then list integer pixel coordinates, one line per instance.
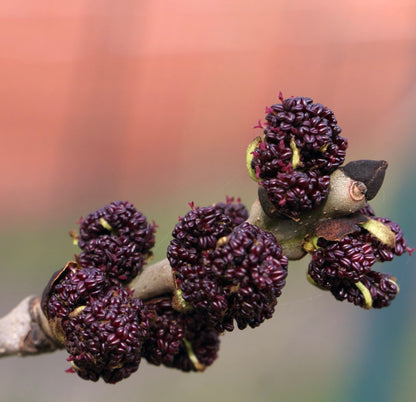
(25, 330)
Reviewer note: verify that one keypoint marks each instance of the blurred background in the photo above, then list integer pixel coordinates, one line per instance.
(154, 102)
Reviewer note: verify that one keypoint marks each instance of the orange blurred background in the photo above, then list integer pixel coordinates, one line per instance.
(102, 97)
(155, 102)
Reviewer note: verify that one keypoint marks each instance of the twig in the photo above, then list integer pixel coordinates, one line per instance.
(25, 330)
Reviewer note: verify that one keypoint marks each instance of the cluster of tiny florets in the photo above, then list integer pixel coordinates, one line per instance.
(384, 252)
(296, 191)
(75, 289)
(235, 274)
(314, 129)
(345, 267)
(101, 324)
(117, 256)
(123, 219)
(178, 340)
(103, 327)
(234, 209)
(105, 338)
(117, 239)
(301, 146)
(252, 270)
(198, 230)
(350, 258)
(382, 288)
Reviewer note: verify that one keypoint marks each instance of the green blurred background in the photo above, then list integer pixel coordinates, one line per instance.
(154, 102)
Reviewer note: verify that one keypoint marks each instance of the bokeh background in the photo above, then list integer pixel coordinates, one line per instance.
(154, 101)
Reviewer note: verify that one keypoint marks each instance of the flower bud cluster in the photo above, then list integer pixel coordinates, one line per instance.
(300, 148)
(234, 209)
(103, 327)
(75, 289)
(178, 340)
(101, 324)
(225, 273)
(105, 338)
(117, 239)
(344, 267)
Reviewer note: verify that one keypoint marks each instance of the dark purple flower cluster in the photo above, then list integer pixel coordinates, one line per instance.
(234, 209)
(101, 324)
(117, 239)
(300, 148)
(177, 340)
(106, 337)
(382, 289)
(384, 252)
(226, 275)
(117, 256)
(198, 230)
(345, 267)
(296, 192)
(120, 218)
(350, 258)
(74, 289)
(252, 270)
(202, 227)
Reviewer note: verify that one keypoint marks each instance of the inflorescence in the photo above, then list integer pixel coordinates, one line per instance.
(344, 267)
(100, 322)
(300, 148)
(117, 239)
(226, 270)
(292, 163)
(91, 310)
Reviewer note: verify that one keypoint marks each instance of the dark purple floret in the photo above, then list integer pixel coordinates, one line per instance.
(382, 288)
(344, 267)
(345, 290)
(313, 128)
(301, 147)
(202, 227)
(383, 251)
(238, 278)
(166, 333)
(198, 230)
(106, 337)
(252, 270)
(201, 349)
(270, 158)
(350, 258)
(75, 289)
(117, 257)
(203, 292)
(120, 218)
(367, 211)
(234, 209)
(181, 341)
(295, 192)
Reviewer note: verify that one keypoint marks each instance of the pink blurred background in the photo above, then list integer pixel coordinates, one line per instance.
(154, 102)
